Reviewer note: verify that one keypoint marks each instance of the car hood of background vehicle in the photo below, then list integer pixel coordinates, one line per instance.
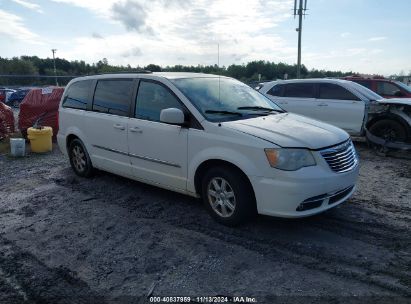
(291, 130)
(403, 101)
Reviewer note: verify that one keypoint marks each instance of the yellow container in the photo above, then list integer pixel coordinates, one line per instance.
(40, 139)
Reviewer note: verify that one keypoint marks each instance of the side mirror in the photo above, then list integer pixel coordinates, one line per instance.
(172, 116)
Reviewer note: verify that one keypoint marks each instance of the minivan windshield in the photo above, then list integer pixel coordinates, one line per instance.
(222, 99)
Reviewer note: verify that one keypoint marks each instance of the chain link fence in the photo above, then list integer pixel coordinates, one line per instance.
(16, 81)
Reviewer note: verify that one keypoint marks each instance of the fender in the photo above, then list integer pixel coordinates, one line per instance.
(403, 115)
(219, 153)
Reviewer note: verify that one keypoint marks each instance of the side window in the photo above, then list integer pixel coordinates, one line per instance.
(113, 96)
(386, 88)
(77, 95)
(152, 98)
(364, 83)
(302, 90)
(276, 90)
(333, 91)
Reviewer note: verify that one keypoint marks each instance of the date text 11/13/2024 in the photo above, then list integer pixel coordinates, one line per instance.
(203, 299)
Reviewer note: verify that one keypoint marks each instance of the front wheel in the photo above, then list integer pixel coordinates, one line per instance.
(79, 159)
(228, 196)
(389, 130)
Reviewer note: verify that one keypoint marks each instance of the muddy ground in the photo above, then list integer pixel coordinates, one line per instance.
(65, 239)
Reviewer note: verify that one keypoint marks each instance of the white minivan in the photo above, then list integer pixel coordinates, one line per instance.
(206, 136)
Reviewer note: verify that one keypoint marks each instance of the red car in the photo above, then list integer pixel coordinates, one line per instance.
(2, 95)
(385, 87)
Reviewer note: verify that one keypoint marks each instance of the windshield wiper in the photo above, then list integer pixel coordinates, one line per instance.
(222, 112)
(257, 108)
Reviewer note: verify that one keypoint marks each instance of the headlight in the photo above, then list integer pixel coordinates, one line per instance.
(289, 159)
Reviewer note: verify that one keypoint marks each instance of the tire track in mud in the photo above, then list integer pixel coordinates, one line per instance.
(34, 282)
(396, 279)
(371, 232)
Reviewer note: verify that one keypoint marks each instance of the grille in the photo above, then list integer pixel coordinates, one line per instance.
(341, 158)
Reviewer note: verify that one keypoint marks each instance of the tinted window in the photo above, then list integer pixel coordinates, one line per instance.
(113, 96)
(364, 83)
(77, 95)
(276, 90)
(333, 91)
(386, 88)
(302, 90)
(152, 98)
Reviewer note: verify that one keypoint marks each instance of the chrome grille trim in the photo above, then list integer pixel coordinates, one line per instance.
(341, 158)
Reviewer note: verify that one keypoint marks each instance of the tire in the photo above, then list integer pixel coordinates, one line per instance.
(228, 196)
(79, 159)
(390, 130)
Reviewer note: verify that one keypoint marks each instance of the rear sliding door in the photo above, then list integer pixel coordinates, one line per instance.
(108, 125)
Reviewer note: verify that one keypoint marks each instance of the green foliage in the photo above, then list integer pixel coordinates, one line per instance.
(252, 71)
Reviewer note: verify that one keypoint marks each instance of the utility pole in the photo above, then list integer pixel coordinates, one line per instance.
(300, 11)
(54, 63)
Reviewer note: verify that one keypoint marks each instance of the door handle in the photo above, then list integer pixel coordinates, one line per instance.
(136, 130)
(322, 104)
(283, 102)
(120, 127)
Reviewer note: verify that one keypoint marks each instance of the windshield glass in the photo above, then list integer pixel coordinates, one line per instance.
(221, 99)
(366, 92)
(403, 86)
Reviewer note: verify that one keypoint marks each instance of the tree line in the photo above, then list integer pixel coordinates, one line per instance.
(253, 71)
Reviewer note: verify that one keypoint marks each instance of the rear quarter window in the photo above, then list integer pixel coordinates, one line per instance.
(77, 95)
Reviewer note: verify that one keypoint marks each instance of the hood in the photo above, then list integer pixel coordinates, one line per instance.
(398, 101)
(291, 130)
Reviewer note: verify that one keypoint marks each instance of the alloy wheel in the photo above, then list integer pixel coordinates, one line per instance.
(221, 197)
(79, 158)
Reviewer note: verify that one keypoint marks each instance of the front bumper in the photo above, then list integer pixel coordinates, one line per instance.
(304, 192)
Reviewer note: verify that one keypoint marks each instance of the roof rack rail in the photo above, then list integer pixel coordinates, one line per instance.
(128, 72)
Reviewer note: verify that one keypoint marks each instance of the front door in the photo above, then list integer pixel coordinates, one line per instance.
(340, 107)
(158, 151)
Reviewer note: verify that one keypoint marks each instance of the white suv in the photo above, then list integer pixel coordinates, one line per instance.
(206, 136)
(347, 105)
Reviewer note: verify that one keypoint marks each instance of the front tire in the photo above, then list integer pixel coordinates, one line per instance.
(227, 195)
(389, 130)
(79, 159)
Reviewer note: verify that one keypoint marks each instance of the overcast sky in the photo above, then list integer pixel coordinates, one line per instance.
(369, 36)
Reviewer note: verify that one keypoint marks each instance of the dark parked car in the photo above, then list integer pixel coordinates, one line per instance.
(17, 97)
(385, 87)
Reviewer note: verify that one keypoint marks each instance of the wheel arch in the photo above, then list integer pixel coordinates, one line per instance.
(211, 163)
(71, 134)
(70, 138)
(391, 116)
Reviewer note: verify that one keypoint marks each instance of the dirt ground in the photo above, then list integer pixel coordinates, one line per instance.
(65, 239)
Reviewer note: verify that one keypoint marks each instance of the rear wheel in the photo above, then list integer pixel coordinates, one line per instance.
(79, 159)
(389, 130)
(227, 195)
